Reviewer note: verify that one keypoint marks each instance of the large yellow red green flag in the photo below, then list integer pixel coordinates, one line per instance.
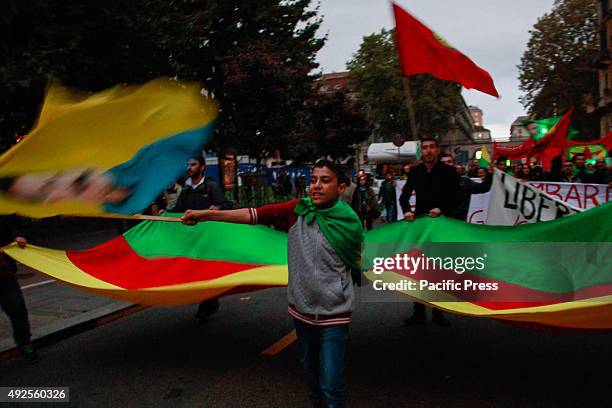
(167, 263)
(556, 273)
(111, 152)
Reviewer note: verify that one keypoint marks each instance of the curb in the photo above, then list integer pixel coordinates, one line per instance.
(55, 332)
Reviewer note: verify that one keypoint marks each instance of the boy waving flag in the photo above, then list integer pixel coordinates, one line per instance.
(324, 249)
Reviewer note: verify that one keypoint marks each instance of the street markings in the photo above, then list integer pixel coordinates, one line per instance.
(281, 344)
(33, 285)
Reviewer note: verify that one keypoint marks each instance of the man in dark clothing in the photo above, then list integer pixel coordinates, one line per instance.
(581, 173)
(473, 169)
(284, 185)
(388, 197)
(563, 173)
(436, 185)
(601, 175)
(537, 174)
(468, 187)
(364, 202)
(11, 298)
(201, 193)
(438, 191)
(500, 163)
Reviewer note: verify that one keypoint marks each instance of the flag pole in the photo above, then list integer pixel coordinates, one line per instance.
(129, 217)
(410, 106)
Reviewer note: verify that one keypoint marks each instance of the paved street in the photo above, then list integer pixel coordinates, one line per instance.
(159, 357)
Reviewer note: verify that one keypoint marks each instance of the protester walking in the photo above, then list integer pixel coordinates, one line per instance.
(388, 197)
(438, 191)
(201, 193)
(324, 250)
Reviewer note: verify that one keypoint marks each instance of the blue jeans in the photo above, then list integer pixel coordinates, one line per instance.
(322, 352)
(391, 212)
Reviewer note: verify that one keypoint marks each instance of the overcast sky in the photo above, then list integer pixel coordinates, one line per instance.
(493, 33)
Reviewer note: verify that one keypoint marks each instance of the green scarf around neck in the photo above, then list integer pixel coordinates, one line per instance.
(340, 226)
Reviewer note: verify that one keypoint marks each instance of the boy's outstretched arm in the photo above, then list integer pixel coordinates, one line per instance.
(240, 216)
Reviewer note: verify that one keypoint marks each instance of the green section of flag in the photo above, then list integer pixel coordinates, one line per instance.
(485, 158)
(593, 225)
(483, 163)
(209, 241)
(559, 256)
(545, 125)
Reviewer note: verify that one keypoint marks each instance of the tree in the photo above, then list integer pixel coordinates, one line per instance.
(376, 76)
(267, 77)
(556, 70)
(82, 44)
(256, 58)
(335, 122)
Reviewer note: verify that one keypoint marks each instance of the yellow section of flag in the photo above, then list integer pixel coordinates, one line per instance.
(106, 128)
(62, 166)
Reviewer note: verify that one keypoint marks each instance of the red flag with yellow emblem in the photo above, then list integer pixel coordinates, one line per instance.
(422, 51)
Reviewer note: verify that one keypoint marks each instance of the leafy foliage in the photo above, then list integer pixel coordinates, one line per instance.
(377, 77)
(255, 57)
(556, 70)
(335, 123)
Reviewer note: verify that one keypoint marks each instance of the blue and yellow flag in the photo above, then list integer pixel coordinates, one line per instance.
(111, 152)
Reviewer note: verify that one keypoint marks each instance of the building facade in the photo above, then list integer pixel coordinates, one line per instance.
(603, 60)
(332, 82)
(518, 131)
(481, 133)
(470, 136)
(477, 115)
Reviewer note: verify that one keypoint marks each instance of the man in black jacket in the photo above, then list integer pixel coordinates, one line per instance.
(201, 193)
(438, 191)
(581, 173)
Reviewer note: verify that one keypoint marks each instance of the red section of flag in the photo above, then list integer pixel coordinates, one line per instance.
(554, 143)
(116, 262)
(605, 141)
(513, 152)
(507, 295)
(421, 52)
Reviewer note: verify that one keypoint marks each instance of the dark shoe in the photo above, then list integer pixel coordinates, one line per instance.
(30, 355)
(318, 404)
(439, 319)
(416, 319)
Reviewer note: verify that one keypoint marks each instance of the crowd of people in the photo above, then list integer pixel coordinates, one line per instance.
(576, 170)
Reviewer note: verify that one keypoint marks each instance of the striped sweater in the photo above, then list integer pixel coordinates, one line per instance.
(320, 290)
